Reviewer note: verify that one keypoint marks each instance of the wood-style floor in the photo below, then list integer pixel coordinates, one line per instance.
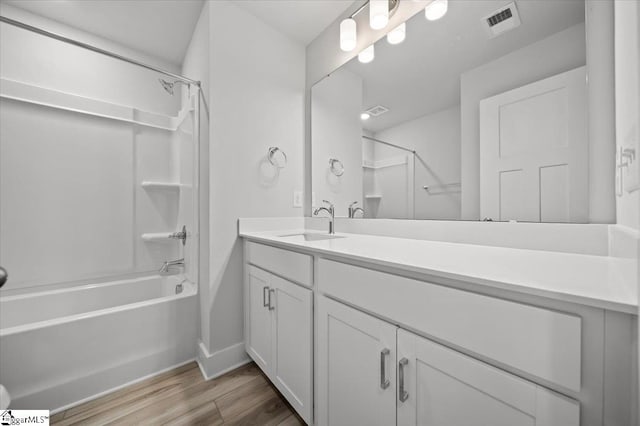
(182, 397)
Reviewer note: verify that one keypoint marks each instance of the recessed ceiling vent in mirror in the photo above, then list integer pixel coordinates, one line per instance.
(502, 20)
(377, 110)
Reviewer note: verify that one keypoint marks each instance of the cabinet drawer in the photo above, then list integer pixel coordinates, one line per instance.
(288, 264)
(538, 341)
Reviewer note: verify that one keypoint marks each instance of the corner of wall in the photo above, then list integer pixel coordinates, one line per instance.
(215, 364)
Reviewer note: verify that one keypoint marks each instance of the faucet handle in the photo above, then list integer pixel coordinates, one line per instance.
(353, 204)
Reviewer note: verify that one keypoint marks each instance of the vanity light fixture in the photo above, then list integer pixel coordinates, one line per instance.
(365, 116)
(378, 14)
(367, 55)
(436, 9)
(398, 34)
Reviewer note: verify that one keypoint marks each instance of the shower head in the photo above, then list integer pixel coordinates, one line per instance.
(167, 85)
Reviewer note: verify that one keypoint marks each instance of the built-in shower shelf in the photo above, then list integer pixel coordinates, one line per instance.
(157, 237)
(373, 196)
(161, 185)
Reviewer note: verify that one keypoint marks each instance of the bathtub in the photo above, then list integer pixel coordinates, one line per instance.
(62, 347)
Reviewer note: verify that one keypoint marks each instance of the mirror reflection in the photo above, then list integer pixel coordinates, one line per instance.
(480, 115)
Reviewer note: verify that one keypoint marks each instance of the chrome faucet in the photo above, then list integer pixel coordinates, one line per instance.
(332, 212)
(354, 210)
(170, 263)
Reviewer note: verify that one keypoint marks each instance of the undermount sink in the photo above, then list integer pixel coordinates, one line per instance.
(306, 236)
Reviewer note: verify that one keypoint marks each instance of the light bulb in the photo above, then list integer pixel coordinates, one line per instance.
(378, 14)
(398, 34)
(365, 116)
(436, 9)
(366, 55)
(348, 34)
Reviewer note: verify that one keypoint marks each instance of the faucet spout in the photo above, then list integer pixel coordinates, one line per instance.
(332, 215)
(169, 263)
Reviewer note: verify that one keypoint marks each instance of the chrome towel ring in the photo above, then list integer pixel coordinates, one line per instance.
(277, 157)
(336, 166)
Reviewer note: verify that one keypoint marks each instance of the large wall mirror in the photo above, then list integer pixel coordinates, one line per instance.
(462, 120)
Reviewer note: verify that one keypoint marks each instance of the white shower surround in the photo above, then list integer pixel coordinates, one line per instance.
(59, 347)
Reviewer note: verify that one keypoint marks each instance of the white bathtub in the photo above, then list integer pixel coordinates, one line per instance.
(60, 347)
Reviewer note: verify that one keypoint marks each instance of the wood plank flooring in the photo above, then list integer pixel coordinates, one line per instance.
(182, 397)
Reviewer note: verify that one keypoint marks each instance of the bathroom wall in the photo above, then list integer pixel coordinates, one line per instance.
(555, 54)
(72, 206)
(436, 140)
(337, 103)
(627, 70)
(255, 101)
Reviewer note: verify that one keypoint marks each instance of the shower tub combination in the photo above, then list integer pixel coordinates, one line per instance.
(62, 347)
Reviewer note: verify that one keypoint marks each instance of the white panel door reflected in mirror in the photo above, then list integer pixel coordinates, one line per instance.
(460, 123)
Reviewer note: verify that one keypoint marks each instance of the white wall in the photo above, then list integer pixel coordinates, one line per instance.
(555, 54)
(72, 206)
(436, 140)
(256, 100)
(35, 59)
(627, 69)
(337, 131)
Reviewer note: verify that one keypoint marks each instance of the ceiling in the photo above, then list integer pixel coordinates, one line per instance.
(161, 28)
(422, 75)
(301, 20)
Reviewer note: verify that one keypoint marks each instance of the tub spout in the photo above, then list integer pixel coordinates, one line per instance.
(169, 263)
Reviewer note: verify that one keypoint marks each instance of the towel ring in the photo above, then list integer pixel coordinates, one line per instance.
(277, 157)
(336, 166)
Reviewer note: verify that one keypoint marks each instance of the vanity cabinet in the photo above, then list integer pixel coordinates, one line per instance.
(278, 334)
(389, 346)
(371, 371)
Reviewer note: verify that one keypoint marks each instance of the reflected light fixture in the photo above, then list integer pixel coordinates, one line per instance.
(436, 9)
(365, 116)
(367, 55)
(398, 34)
(378, 14)
(348, 34)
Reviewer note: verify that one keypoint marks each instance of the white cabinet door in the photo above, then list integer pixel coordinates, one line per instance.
(534, 152)
(258, 317)
(292, 342)
(278, 335)
(355, 369)
(446, 388)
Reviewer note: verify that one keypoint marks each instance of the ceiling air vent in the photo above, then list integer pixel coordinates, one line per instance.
(502, 20)
(377, 110)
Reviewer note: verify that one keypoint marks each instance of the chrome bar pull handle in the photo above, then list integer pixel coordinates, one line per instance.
(384, 382)
(265, 289)
(403, 395)
(271, 291)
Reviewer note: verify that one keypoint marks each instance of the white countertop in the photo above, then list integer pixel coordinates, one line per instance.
(599, 281)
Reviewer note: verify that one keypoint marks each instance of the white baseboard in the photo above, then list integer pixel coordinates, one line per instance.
(222, 361)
